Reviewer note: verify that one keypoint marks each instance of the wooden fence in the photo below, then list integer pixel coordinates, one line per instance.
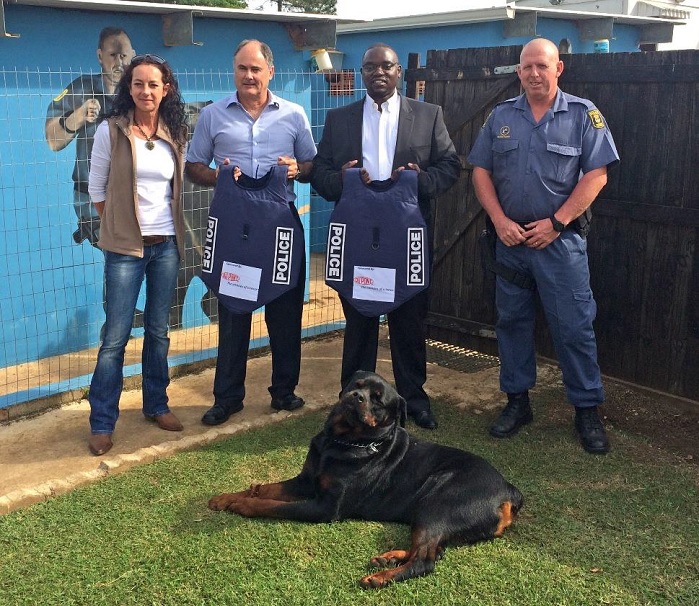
(643, 254)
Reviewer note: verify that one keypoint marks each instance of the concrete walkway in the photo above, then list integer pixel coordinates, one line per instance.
(47, 455)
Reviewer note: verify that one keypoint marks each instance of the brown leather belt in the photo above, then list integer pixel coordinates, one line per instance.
(150, 240)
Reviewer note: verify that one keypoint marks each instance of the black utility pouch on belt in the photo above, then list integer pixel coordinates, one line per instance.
(487, 241)
(582, 223)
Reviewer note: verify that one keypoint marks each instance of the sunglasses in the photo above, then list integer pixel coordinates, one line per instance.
(150, 58)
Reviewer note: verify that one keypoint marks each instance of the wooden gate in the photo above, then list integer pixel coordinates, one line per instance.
(643, 255)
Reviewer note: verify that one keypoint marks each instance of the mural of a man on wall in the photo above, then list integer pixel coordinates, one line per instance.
(75, 114)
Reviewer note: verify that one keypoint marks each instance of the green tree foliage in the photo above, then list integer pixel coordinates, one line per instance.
(212, 3)
(325, 7)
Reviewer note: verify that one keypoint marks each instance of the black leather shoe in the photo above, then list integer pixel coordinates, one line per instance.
(220, 413)
(288, 402)
(590, 430)
(425, 419)
(515, 415)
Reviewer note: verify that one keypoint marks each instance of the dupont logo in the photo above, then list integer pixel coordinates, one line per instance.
(282, 255)
(229, 276)
(335, 259)
(207, 257)
(363, 281)
(416, 256)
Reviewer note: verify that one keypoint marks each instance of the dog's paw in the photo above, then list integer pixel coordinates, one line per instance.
(390, 558)
(223, 502)
(246, 507)
(220, 502)
(376, 580)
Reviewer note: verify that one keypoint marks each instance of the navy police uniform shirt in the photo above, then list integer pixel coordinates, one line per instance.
(71, 98)
(535, 167)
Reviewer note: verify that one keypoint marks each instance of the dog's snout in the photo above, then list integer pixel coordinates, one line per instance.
(356, 395)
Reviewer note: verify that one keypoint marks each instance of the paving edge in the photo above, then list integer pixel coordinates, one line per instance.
(116, 464)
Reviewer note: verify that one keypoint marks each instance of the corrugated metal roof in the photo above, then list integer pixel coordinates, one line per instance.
(649, 8)
(497, 13)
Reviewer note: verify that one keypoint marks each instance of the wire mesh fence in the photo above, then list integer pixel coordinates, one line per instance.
(51, 270)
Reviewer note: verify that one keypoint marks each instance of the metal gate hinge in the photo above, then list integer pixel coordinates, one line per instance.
(505, 69)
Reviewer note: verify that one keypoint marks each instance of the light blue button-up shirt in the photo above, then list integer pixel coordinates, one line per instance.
(226, 130)
(536, 166)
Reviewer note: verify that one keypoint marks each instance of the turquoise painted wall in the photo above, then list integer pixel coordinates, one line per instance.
(51, 288)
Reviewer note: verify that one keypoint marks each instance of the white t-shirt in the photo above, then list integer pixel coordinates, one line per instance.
(155, 169)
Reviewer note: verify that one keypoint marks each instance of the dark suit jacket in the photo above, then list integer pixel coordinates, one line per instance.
(422, 139)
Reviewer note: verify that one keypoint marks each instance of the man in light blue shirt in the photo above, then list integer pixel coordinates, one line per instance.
(254, 130)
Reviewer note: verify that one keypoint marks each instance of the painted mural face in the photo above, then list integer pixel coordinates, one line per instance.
(252, 73)
(147, 88)
(539, 69)
(380, 73)
(115, 54)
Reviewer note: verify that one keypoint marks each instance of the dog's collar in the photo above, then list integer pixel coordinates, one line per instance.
(371, 447)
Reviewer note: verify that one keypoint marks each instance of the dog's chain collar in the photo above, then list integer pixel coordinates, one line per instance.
(372, 447)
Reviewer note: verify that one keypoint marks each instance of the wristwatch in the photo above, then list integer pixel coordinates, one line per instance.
(557, 225)
(62, 123)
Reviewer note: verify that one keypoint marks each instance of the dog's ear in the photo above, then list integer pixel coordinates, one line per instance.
(402, 410)
(352, 381)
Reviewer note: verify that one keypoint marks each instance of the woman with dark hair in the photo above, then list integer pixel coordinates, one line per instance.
(135, 184)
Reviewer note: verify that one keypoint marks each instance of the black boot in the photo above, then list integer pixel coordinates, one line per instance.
(516, 414)
(590, 430)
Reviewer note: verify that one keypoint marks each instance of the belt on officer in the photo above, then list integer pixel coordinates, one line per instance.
(151, 240)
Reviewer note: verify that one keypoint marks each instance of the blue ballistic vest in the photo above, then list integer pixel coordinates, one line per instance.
(377, 255)
(253, 248)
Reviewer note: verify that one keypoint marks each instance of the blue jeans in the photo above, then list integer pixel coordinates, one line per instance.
(123, 276)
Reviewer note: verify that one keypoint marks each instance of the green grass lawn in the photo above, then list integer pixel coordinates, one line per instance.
(620, 529)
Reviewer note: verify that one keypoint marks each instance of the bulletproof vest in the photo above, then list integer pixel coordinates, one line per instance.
(377, 255)
(253, 248)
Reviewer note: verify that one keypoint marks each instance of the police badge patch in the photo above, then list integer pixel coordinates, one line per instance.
(596, 118)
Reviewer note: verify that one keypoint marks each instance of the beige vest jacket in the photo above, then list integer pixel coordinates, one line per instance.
(119, 228)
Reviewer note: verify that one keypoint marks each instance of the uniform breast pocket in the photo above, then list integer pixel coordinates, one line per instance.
(566, 159)
(505, 154)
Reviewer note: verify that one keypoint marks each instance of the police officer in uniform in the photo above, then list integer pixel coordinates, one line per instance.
(75, 114)
(540, 161)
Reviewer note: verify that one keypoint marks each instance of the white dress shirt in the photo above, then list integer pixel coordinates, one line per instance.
(379, 134)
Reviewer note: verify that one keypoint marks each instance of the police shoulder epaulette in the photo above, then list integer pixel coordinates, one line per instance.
(593, 113)
(495, 107)
(572, 99)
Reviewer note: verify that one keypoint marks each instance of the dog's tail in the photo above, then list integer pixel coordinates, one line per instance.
(516, 498)
(508, 509)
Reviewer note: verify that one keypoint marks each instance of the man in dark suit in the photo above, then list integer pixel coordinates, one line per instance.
(383, 134)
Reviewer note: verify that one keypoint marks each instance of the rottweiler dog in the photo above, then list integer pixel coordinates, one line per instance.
(364, 465)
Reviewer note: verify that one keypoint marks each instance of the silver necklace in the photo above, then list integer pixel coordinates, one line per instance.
(149, 138)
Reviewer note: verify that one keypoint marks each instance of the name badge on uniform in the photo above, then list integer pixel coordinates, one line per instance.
(240, 281)
(374, 284)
